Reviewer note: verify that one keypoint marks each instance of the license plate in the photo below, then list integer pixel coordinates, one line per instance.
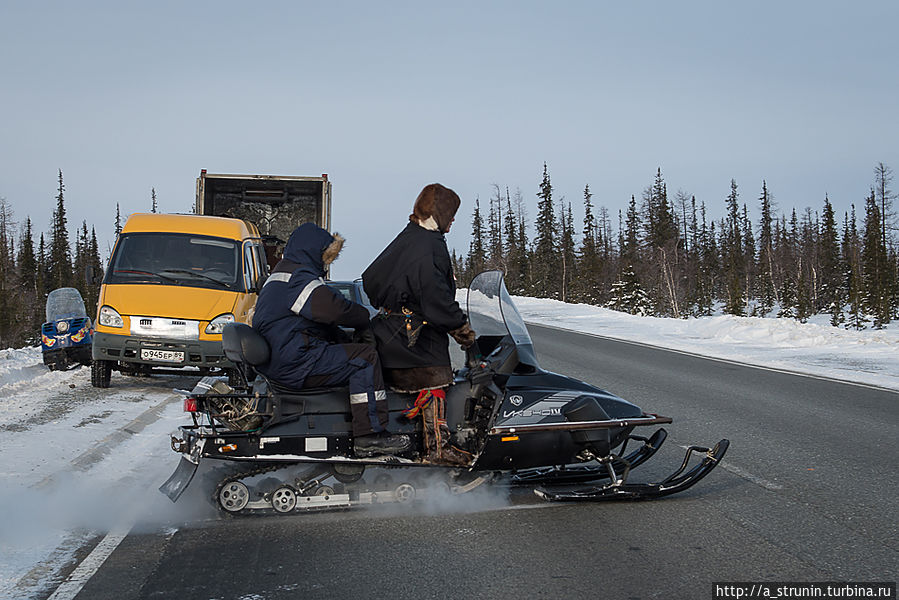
(171, 356)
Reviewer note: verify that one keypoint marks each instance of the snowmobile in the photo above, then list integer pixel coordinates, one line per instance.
(67, 334)
(521, 424)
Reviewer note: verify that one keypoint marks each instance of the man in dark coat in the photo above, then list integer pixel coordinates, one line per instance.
(299, 315)
(412, 284)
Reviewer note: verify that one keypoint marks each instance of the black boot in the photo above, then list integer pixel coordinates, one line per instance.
(381, 443)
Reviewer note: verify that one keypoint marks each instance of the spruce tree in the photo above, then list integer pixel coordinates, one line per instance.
(734, 258)
(94, 261)
(807, 269)
(883, 177)
(60, 253)
(8, 296)
(43, 270)
(545, 255)
(788, 254)
(767, 291)
(630, 243)
(118, 220)
(627, 295)
(495, 255)
(79, 264)
(855, 284)
(153, 206)
(510, 246)
(27, 286)
(523, 258)
(659, 219)
(566, 249)
(829, 262)
(749, 256)
(709, 266)
(876, 300)
(588, 254)
(477, 255)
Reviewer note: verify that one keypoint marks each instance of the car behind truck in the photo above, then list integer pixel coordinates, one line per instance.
(175, 281)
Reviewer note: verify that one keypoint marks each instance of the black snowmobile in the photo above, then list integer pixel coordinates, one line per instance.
(293, 449)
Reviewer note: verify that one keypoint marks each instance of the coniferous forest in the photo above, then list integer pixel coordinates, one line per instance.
(31, 268)
(665, 257)
(661, 256)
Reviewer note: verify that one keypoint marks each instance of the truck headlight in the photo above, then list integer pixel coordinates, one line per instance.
(218, 324)
(109, 317)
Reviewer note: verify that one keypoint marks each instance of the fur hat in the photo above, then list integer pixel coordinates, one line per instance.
(435, 207)
(332, 251)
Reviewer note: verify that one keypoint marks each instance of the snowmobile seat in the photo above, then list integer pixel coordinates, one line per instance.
(246, 348)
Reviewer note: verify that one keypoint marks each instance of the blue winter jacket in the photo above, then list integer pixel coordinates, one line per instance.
(298, 314)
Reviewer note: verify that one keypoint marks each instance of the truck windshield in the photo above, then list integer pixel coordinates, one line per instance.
(176, 259)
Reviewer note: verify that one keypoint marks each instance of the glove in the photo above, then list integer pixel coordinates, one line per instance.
(464, 335)
(364, 335)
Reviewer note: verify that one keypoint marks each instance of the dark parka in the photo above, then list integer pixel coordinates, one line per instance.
(297, 313)
(414, 273)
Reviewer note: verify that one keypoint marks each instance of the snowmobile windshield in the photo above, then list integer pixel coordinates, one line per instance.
(65, 303)
(176, 259)
(491, 310)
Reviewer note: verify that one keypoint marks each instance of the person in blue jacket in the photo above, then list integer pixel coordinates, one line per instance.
(299, 316)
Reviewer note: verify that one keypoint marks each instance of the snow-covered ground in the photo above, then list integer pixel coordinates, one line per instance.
(66, 448)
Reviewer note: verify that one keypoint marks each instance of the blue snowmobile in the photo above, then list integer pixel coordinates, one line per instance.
(67, 335)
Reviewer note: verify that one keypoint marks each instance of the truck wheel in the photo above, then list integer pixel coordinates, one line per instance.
(100, 373)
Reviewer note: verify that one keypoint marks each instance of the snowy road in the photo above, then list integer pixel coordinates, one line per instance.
(75, 462)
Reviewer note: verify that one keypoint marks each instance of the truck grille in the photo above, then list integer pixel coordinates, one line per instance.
(158, 327)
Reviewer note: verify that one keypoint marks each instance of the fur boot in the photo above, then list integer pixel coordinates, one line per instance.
(438, 448)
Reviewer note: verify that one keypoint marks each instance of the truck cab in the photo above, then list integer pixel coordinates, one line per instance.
(172, 284)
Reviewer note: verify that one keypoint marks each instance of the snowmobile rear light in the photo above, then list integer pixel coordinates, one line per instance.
(191, 405)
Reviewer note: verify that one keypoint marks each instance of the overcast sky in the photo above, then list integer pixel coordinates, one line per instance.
(386, 97)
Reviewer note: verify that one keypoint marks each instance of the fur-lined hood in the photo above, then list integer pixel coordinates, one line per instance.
(435, 208)
(312, 246)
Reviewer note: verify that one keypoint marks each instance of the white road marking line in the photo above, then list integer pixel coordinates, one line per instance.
(90, 565)
(768, 485)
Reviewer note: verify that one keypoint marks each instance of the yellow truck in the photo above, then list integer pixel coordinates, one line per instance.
(174, 281)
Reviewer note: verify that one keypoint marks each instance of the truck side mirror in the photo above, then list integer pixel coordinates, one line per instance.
(260, 281)
(91, 277)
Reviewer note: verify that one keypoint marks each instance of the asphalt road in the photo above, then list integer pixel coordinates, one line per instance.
(805, 493)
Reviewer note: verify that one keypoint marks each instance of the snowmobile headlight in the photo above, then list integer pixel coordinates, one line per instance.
(218, 324)
(109, 317)
(62, 326)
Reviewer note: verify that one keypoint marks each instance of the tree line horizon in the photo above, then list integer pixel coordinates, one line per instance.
(29, 271)
(667, 259)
